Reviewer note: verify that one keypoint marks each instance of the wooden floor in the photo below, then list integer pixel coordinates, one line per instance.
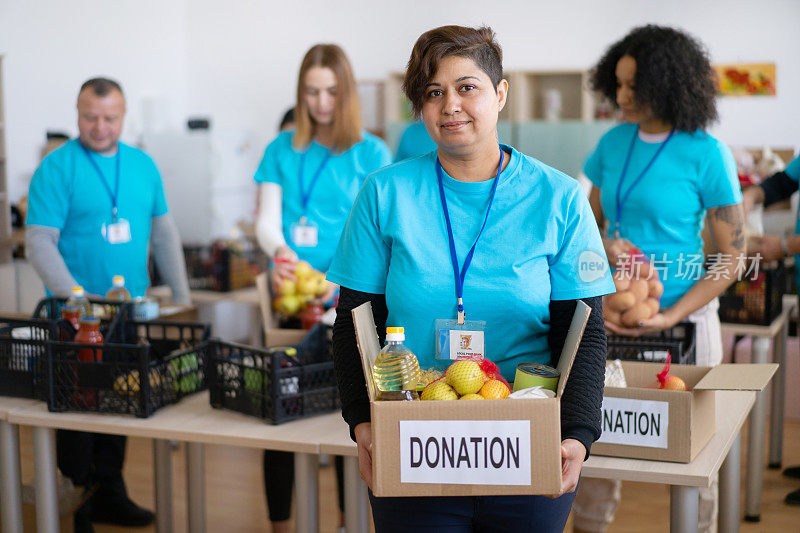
(235, 494)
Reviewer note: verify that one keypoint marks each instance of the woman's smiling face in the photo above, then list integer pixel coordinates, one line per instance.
(461, 105)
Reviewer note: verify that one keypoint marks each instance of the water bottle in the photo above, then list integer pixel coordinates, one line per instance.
(396, 370)
(78, 299)
(118, 292)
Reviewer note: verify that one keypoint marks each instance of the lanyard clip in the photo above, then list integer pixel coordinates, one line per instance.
(461, 316)
(114, 214)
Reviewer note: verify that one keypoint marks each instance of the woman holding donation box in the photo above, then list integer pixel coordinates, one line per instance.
(478, 229)
(309, 178)
(656, 179)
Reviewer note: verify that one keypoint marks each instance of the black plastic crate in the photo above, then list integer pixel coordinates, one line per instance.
(23, 356)
(756, 301)
(679, 341)
(109, 378)
(276, 384)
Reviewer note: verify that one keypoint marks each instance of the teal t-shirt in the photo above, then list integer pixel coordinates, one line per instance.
(414, 141)
(333, 194)
(68, 194)
(665, 212)
(539, 232)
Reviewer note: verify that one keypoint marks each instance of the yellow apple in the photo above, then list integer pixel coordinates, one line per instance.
(287, 305)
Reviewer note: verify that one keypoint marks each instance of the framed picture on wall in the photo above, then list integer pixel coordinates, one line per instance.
(746, 79)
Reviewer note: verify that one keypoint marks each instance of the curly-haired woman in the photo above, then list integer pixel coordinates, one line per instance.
(656, 179)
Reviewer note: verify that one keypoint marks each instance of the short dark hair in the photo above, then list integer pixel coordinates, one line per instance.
(673, 75)
(101, 86)
(477, 44)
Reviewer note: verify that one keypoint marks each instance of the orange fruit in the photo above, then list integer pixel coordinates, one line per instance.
(494, 389)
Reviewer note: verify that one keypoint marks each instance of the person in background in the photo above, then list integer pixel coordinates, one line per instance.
(779, 186)
(654, 179)
(525, 227)
(95, 206)
(414, 141)
(308, 180)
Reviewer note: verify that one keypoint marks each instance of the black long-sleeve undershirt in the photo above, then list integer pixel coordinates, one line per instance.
(583, 395)
(778, 187)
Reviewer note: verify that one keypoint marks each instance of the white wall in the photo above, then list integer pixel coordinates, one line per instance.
(50, 47)
(237, 61)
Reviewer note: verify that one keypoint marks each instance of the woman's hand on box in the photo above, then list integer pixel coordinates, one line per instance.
(363, 433)
(572, 455)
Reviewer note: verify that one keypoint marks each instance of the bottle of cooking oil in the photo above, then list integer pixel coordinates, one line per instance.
(78, 299)
(396, 370)
(118, 292)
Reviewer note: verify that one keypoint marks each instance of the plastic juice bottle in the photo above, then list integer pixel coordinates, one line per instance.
(118, 292)
(78, 299)
(396, 370)
(88, 333)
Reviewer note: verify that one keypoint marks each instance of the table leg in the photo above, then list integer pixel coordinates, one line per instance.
(755, 440)
(44, 462)
(356, 502)
(10, 486)
(683, 508)
(729, 487)
(162, 477)
(778, 398)
(306, 486)
(196, 487)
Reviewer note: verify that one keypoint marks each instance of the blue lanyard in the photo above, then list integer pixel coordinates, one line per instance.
(112, 194)
(622, 201)
(460, 275)
(305, 194)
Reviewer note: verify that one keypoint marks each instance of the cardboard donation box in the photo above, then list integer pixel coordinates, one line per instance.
(668, 425)
(466, 448)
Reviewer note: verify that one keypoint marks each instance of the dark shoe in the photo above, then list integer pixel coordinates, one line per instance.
(81, 520)
(792, 471)
(793, 498)
(120, 512)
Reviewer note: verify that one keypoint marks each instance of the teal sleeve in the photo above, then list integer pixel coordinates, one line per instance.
(268, 170)
(362, 258)
(593, 168)
(793, 170)
(579, 269)
(49, 196)
(719, 181)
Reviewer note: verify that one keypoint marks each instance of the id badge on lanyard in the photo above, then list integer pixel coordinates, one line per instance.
(460, 338)
(118, 232)
(305, 233)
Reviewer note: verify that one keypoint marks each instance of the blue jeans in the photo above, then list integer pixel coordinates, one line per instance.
(471, 513)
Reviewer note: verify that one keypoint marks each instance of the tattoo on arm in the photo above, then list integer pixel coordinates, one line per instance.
(731, 215)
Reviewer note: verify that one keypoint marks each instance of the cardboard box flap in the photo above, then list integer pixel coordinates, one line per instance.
(738, 377)
(571, 344)
(368, 345)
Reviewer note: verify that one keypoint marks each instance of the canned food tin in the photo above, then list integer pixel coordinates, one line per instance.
(145, 308)
(535, 375)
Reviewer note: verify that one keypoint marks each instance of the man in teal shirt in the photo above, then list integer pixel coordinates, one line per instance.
(95, 205)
